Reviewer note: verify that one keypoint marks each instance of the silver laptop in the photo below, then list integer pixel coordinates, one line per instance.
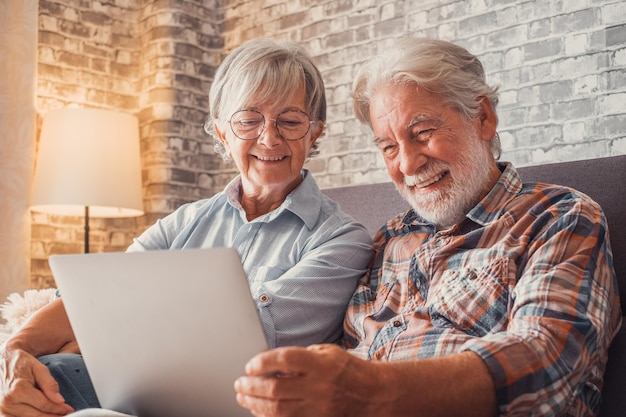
(163, 333)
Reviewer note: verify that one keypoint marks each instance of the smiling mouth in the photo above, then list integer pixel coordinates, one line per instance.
(411, 181)
(269, 158)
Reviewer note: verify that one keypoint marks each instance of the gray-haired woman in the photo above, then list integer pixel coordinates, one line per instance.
(302, 255)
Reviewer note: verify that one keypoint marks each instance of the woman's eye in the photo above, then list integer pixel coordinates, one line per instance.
(290, 123)
(248, 123)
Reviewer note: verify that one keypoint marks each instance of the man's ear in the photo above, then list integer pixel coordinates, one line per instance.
(488, 119)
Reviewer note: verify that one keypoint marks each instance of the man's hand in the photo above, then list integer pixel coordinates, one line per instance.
(325, 380)
(321, 380)
(27, 388)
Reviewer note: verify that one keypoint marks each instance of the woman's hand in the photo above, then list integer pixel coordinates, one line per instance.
(27, 388)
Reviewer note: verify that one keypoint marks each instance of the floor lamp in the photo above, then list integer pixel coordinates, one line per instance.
(88, 164)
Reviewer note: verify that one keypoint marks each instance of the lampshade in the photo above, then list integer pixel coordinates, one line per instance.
(88, 158)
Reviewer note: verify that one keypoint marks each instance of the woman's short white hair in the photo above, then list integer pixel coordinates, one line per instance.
(265, 70)
(437, 66)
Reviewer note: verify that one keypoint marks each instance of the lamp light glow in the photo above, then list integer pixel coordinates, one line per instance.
(88, 163)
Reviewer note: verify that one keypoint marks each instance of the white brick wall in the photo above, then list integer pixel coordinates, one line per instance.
(560, 65)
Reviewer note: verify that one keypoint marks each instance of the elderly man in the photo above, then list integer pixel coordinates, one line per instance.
(489, 297)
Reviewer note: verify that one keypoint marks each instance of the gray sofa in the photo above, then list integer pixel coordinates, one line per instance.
(604, 179)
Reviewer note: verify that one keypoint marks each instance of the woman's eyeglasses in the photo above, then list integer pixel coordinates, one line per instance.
(250, 124)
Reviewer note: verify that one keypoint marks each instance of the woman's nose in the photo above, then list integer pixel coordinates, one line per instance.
(269, 135)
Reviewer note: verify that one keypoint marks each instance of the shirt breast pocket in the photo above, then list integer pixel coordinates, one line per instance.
(474, 301)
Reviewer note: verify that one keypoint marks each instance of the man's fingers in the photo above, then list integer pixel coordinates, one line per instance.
(280, 361)
(281, 386)
(262, 407)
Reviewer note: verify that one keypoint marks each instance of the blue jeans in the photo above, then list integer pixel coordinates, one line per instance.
(69, 371)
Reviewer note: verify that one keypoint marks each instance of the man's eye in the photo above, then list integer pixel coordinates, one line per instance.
(388, 149)
(425, 134)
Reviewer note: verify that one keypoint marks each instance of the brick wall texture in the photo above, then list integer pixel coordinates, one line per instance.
(560, 66)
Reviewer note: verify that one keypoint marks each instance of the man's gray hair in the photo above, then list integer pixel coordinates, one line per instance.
(440, 67)
(265, 70)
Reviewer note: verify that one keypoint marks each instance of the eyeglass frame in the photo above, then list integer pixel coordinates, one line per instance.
(275, 123)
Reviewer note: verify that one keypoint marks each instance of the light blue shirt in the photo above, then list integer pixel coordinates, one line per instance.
(302, 260)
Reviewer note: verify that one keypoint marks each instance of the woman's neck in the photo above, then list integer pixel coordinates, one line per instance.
(257, 201)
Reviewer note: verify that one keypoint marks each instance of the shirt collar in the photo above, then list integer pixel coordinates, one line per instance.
(305, 201)
(491, 207)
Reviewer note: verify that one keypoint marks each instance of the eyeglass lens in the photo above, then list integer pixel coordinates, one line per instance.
(249, 124)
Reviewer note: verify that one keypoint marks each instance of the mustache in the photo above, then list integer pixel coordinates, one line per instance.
(426, 174)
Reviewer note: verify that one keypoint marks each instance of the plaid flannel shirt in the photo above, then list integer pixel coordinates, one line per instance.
(525, 281)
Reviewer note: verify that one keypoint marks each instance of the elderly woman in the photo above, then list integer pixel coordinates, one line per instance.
(302, 255)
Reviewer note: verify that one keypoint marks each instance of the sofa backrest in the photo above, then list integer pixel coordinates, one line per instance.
(603, 179)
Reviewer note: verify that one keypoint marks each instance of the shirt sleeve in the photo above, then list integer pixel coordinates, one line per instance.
(169, 231)
(306, 304)
(564, 313)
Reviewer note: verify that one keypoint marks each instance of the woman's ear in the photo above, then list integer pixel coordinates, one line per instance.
(222, 138)
(317, 132)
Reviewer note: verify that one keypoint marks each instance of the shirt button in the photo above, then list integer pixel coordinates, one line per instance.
(264, 298)
(397, 323)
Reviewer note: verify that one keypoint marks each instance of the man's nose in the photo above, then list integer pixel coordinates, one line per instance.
(412, 158)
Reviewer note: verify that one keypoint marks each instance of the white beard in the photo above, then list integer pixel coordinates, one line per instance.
(445, 207)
